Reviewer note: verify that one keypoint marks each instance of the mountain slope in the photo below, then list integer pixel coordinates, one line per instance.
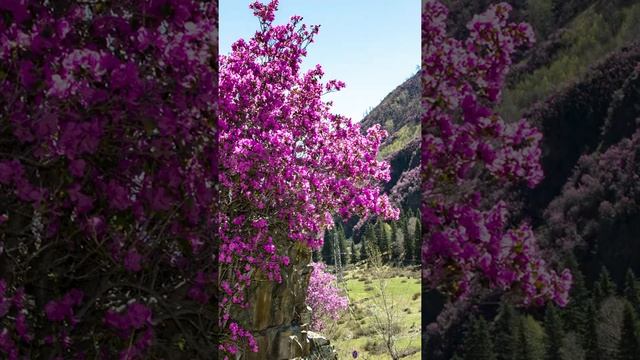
(580, 85)
(399, 113)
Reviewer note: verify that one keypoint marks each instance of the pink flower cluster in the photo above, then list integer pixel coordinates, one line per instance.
(287, 164)
(324, 298)
(136, 317)
(62, 309)
(467, 242)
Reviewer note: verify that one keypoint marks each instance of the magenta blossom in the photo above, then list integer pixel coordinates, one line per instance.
(324, 298)
(468, 241)
(288, 165)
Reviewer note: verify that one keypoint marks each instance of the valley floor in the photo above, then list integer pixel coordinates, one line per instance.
(367, 290)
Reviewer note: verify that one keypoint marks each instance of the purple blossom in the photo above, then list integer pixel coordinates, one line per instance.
(76, 167)
(62, 309)
(468, 242)
(135, 316)
(324, 298)
(132, 261)
(291, 168)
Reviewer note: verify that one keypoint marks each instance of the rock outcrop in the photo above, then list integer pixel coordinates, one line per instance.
(278, 315)
(321, 348)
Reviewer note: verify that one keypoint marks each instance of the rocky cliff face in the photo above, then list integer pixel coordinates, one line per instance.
(278, 315)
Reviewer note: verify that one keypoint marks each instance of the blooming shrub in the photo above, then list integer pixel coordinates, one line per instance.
(468, 151)
(598, 204)
(107, 166)
(323, 296)
(287, 164)
(595, 114)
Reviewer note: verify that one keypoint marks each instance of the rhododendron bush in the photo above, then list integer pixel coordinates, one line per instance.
(107, 167)
(469, 151)
(287, 164)
(324, 298)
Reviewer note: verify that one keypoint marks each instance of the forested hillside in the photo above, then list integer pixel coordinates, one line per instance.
(399, 114)
(580, 85)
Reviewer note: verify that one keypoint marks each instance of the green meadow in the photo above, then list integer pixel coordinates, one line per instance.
(368, 319)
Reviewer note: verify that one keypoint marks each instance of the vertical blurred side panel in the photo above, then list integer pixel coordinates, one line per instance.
(108, 172)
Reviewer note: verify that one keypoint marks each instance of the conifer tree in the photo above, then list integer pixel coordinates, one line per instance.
(327, 248)
(505, 331)
(409, 247)
(631, 290)
(379, 233)
(337, 256)
(628, 348)
(576, 311)
(607, 286)
(417, 246)
(384, 243)
(343, 246)
(591, 343)
(397, 243)
(404, 225)
(354, 256)
(369, 236)
(477, 343)
(363, 249)
(410, 214)
(523, 349)
(554, 333)
(597, 293)
(402, 221)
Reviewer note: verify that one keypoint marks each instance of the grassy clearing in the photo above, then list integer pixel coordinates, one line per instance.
(356, 329)
(401, 138)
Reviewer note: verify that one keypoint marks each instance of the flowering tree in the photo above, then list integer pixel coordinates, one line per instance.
(323, 296)
(287, 164)
(596, 200)
(468, 151)
(107, 164)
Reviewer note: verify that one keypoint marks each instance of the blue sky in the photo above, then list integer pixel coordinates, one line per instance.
(371, 45)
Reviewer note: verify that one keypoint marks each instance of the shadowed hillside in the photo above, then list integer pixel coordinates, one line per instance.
(580, 85)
